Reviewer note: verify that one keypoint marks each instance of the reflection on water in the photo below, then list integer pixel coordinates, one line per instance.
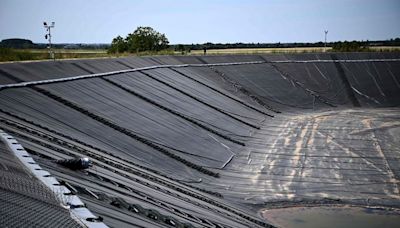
(332, 217)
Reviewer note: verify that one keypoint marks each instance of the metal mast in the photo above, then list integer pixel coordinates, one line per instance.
(326, 34)
(48, 37)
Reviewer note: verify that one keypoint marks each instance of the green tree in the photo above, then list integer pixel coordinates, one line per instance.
(146, 39)
(118, 45)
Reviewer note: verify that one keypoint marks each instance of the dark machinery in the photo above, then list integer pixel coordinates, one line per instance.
(76, 164)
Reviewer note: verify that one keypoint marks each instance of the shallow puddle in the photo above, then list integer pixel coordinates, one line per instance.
(332, 217)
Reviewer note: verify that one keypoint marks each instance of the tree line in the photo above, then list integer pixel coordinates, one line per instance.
(336, 46)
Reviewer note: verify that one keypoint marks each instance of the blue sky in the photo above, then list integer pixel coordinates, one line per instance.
(190, 21)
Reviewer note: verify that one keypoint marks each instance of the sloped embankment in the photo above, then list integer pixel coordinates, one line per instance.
(214, 133)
